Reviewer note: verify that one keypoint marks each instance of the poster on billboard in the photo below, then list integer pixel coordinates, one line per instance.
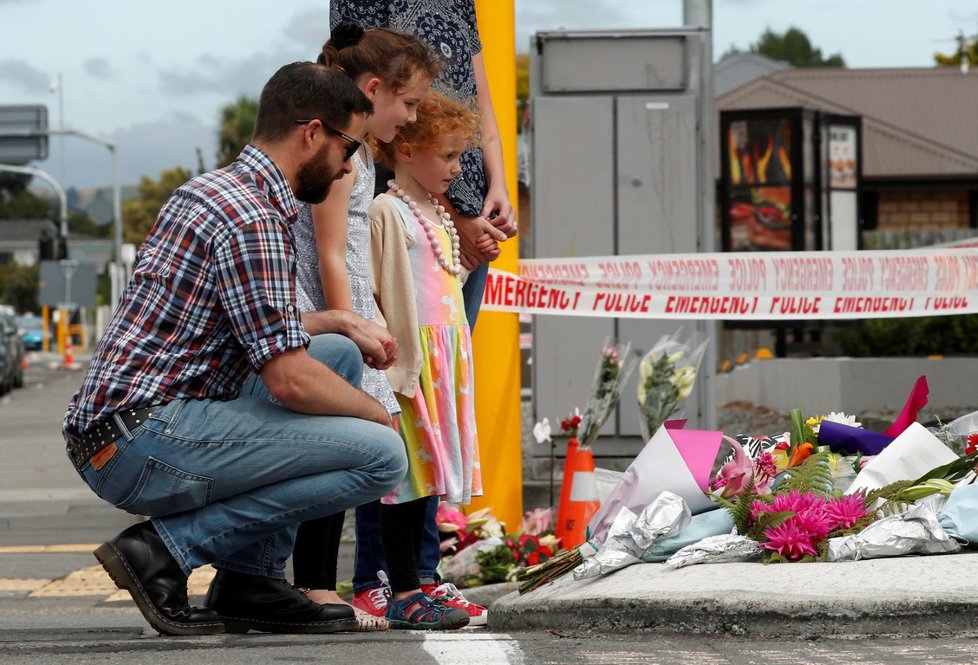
(758, 155)
(842, 156)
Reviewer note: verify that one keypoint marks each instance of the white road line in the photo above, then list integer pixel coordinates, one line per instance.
(463, 647)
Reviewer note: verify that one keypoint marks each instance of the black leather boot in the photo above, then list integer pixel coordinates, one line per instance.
(138, 561)
(249, 602)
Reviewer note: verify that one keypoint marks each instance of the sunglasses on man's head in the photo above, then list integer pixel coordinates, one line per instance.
(353, 144)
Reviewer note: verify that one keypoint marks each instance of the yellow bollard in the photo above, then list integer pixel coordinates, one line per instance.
(496, 339)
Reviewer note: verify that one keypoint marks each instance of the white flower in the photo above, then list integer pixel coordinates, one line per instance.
(683, 380)
(842, 419)
(541, 431)
(676, 357)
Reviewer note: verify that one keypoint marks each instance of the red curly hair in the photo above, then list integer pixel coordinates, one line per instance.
(438, 116)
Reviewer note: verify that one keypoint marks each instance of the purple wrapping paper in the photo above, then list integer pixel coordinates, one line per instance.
(851, 439)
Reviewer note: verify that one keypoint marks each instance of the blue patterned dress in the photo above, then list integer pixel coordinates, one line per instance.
(449, 27)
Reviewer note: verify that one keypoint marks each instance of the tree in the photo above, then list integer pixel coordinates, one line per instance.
(139, 214)
(967, 53)
(237, 127)
(19, 286)
(12, 184)
(792, 47)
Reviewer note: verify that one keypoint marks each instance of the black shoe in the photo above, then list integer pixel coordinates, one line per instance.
(138, 561)
(250, 602)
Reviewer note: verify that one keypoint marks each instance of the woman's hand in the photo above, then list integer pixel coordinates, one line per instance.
(499, 211)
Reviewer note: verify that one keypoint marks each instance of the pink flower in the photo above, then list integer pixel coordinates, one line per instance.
(789, 540)
(734, 476)
(815, 522)
(796, 501)
(450, 519)
(537, 521)
(845, 511)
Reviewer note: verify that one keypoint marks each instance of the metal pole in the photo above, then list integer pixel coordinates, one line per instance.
(62, 199)
(698, 14)
(61, 126)
(117, 216)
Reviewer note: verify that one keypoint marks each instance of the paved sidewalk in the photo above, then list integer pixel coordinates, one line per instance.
(915, 596)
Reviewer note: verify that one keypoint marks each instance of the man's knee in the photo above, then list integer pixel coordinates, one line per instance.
(340, 354)
(393, 461)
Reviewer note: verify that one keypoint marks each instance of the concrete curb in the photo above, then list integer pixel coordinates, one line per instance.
(935, 595)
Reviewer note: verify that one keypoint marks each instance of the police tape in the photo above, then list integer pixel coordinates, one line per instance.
(744, 285)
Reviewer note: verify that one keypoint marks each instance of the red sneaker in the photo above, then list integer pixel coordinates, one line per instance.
(450, 596)
(372, 601)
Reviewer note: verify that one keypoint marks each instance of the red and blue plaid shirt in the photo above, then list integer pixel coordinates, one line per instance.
(211, 299)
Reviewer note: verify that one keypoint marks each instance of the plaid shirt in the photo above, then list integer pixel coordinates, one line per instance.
(211, 299)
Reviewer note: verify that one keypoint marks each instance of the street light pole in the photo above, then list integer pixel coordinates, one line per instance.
(58, 86)
(55, 185)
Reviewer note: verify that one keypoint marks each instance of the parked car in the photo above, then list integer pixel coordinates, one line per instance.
(31, 331)
(13, 346)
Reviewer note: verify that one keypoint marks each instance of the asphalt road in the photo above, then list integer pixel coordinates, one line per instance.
(56, 605)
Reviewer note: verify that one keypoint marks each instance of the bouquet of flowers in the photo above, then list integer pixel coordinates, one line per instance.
(486, 554)
(614, 368)
(666, 377)
(784, 493)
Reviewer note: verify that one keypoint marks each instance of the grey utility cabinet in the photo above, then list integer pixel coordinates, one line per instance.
(615, 170)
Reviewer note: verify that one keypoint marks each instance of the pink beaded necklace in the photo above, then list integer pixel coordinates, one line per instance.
(453, 267)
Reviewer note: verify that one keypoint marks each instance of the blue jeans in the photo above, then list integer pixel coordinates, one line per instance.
(228, 482)
(369, 556)
(472, 290)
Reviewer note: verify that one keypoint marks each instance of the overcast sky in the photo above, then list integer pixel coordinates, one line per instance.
(152, 76)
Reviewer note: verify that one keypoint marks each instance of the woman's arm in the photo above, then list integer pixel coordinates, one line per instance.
(330, 220)
(497, 198)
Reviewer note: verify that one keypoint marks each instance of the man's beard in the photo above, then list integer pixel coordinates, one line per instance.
(315, 178)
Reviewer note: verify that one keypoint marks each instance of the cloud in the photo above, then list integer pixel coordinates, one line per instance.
(100, 68)
(145, 148)
(23, 75)
(213, 74)
(309, 28)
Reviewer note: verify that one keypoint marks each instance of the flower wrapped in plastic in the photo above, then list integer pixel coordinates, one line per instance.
(667, 374)
(614, 368)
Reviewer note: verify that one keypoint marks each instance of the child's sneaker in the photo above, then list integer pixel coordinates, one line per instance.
(422, 612)
(450, 596)
(373, 601)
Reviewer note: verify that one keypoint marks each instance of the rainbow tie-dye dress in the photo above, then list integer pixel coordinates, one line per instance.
(437, 424)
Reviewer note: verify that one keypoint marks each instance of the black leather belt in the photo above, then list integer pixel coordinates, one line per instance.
(105, 433)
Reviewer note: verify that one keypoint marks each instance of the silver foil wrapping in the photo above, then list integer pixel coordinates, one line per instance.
(716, 549)
(916, 531)
(631, 537)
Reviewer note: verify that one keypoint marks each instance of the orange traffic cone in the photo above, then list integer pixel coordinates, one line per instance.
(69, 353)
(578, 495)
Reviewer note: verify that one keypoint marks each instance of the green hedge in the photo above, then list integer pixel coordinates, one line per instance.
(934, 335)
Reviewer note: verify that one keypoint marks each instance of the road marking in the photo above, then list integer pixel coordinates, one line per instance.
(44, 549)
(457, 647)
(90, 581)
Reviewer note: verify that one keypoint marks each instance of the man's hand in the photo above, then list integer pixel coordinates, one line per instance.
(378, 346)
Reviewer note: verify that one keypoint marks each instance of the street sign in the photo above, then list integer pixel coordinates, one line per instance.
(67, 282)
(20, 120)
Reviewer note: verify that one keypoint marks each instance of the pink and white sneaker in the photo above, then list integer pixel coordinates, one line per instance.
(450, 596)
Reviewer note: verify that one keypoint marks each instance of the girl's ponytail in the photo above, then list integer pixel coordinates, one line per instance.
(394, 57)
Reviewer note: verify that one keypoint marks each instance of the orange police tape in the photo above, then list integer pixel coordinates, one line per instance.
(758, 286)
